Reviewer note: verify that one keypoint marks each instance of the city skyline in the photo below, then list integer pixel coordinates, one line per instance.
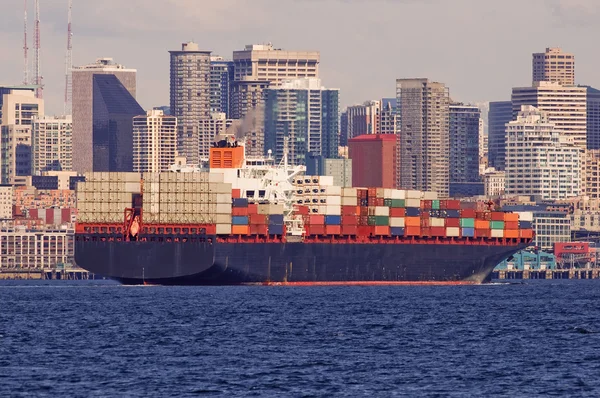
(472, 61)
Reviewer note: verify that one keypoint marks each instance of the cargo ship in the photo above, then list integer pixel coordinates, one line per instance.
(257, 222)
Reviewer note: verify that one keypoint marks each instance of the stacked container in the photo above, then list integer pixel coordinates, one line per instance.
(103, 197)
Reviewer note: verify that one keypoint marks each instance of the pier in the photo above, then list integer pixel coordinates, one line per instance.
(574, 273)
(74, 273)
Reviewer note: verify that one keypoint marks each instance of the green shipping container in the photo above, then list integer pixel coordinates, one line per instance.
(497, 224)
(397, 203)
(467, 222)
(382, 221)
(371, 220)
(435, 204)
(387, 202)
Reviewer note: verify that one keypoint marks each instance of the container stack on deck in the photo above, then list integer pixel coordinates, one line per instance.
(104, 196)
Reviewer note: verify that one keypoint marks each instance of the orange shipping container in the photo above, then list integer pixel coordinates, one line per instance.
(511, 233)
(258, 219)
(526, 233)
(381, 230)
(240, 229)
(412, 231)
(512, 217)
(511, 225)
(412, 222)
(482, 224)
(333, 230)
(350, 210)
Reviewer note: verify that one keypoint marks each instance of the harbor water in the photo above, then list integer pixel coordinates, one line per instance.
(98, 338)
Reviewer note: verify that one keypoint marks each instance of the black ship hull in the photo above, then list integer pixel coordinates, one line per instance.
(206, 263)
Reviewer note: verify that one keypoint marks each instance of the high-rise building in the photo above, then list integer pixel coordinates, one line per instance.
(15, 90)
(19, 109)
(593, 117)
(190, 96)
(554, 66)
(565, 107)
(112, 130)
(263, 62)
(6, 202)
(494, 183)
(51, 144)
(154, 141)
(539, 160)
(423, 110)
(83, 101)
(388, 119)
(210, 128)
(500, 113)
(373, 160)
(340, 169)
(465, 124)
(257, 68)
(592, 174)
(307, 115)
(221, 85)
(361, 119)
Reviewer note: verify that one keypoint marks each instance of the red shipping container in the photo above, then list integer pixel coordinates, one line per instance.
(236, 193)
(497, 216)
(453, 204)
(363, 220)
(302, 210)
(364, 211)
(483, 233)
(252, 208)
(425, 231)
(380, 202)
(437, 231)
(424, 222)
(258, 219)
(317, 219)
(443, 204)
(412, 231)
(66, 216)
(365, 230)
(350, 210)
(258, 229)
(316, 229)
(468, 213)
(425, 214)
(511, 225)
(50, 216)
(372, 192)
(349, 220)
(453, 222)
(372, 201)
(397, 212)
(349, 229)
(239, 211)
(426, 204)
(333, 230)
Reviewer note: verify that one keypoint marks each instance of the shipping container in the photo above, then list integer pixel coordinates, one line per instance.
(413, 195)
(240, 229)
(349, 220)
(381, 211)
(467, 223)
(381, 230)
(350, 210)
(416, 203)
(333, 230)
(412, 221)
(317, 219)
(412, 212)
(453, 222)
(239, 202)
(514, 225)
(437, 222)
(497, 233)
(453, 232)
(398, 194)
(313, 229)
(437, 231)
(239, 211)
(333, 220)
(258, 219)
(276, 219)
(511, 217)
(526, 216)
(497, 216)
(526, 233)
(348, 229)
(482, 224)
(397, 231)
(511, 233)
(397, 222)
(497, 224)
(351, 192)
(223, 229)
(525, 224)
(349, 201)
(483, 233)
(239, 220)
(397, 212)
(468, 232)
(412, 230)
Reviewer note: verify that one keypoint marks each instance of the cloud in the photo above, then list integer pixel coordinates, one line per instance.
(576, 12)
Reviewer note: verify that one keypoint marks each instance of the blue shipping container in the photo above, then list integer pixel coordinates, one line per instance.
(525, 224)
(413, 212)
(451, 213)
(468, 232)
(275, 229)
(239, 220)
(240, 202)
(276, 219)
(397, 231)
(333, 220)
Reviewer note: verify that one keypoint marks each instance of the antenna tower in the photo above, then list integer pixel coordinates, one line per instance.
(36, 54)
(25, 48)
(69, 64)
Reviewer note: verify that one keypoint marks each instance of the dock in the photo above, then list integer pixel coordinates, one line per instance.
(74, 273)
(574, 273)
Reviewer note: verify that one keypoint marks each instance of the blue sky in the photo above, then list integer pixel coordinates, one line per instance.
(479, 48)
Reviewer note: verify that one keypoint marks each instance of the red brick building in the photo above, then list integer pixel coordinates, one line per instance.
(373, 160)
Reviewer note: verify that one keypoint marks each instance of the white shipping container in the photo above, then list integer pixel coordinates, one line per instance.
(333, 190)
(325, 180)
(223, 229)
(525, 216)
(380, 192)
(333, 200)
(349, 201)
(382, 211)
(216, 177)
(430, 195)
(497, 233)
(397, 222)
(412, 202)
(223, 208)
(413, 194)
(453, 231)
(387, 193)
(224, 198)
(349, 192)
(223, 218)
(398, 194)
(437, 222)
(333, 210)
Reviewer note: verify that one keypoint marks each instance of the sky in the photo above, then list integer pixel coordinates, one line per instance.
(479, 48)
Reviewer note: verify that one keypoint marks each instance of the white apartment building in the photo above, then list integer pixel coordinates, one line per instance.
(154, 142)
(538, 160)
(494, 182)
(51, 144)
